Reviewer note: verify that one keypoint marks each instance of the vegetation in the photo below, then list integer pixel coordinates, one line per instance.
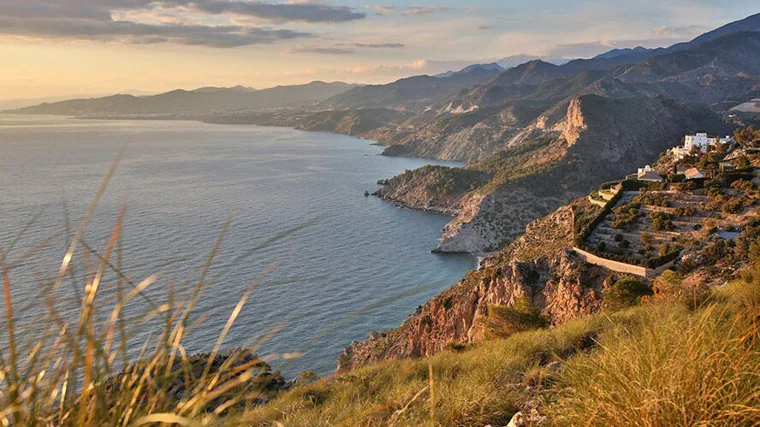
(661, 221)
(625, 215)
(505, 321)
(747, 137)
(624, 293)
(660, 363)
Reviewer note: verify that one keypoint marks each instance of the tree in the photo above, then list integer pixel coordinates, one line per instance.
(505, 321)
(747, 137)
(624, 293)
(742, 162)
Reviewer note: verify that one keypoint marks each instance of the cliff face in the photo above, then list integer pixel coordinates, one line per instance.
(537, 266)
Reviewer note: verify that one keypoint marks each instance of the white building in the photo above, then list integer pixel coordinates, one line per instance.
(700, 141)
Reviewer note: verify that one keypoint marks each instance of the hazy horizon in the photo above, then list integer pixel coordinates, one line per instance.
(152, 46)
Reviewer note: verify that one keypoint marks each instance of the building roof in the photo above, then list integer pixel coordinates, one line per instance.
(683, 168)
(694, 173)
(650, 176)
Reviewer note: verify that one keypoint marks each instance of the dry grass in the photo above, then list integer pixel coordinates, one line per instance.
(681, 367)
(482, 385)
(661, 363)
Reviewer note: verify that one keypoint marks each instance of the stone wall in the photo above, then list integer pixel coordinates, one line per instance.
(609, 264)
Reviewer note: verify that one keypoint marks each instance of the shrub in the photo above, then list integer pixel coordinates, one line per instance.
(624, 293)
(646, 238)
(625, 215)
(505, 321)
(601, 246)
(670, 286)
(661, 221)
(733, 206)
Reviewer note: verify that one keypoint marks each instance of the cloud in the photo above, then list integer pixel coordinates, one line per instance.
(381, 10)
(286, 12)
(424, 10)
(377, 45)
(687, 31)
(150, 21)
(321, 50)
(137, 33)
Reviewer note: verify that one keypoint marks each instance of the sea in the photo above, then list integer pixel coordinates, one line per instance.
(327, 264)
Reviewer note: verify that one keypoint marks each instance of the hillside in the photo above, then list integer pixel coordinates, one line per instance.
(480, 353)
(413, 93)
(673, 223)
(203, 100)
(596, 140)
(678, 357)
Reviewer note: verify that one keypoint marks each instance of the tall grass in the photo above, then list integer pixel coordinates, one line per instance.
(680, 367)
(478, 386)
(74, 369)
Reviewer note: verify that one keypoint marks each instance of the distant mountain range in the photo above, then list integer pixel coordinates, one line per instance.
(492, 67)
(200, 101)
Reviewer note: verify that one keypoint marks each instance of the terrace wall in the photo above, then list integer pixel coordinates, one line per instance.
(609, 264)
(622, 267)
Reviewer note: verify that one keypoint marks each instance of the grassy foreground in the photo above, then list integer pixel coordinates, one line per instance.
(661, 363)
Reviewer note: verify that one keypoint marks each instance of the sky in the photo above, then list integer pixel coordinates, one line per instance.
(59, 48)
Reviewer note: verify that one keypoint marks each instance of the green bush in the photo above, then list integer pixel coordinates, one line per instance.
(661, 221)
(624, 293)
(733, 206)
(505, 321)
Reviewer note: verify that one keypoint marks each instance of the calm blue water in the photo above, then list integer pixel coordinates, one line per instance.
(350, 264)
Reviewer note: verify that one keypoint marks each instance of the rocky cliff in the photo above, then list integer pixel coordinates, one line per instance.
(433, 188)
(538, 266)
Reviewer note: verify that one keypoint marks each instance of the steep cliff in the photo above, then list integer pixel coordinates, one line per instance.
(538, 266)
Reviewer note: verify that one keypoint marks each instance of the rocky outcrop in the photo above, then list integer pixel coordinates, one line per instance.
(538, 266)
(433, 188)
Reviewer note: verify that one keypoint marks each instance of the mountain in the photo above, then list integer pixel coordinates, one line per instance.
(212, 89)
(750, 24)
(618, 57)
(413, 93)
(202, 101)
(638, 50)
(493, 67)
(515, 60)
(544, 134)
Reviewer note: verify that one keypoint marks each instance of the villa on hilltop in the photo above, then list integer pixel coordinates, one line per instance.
(699, 141)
